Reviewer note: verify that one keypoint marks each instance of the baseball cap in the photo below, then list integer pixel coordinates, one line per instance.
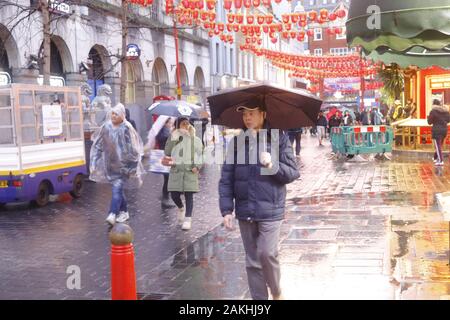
(242, 108)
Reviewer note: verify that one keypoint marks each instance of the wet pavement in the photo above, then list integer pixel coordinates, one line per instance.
(353, 230)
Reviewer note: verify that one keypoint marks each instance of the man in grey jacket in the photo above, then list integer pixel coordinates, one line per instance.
(258, 198)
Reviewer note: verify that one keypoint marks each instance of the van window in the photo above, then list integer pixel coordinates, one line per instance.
(6, 120)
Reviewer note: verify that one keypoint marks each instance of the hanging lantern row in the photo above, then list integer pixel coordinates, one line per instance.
(238, 4)
(322, 16)
(197, 14)
(142, 3)
(199, 4)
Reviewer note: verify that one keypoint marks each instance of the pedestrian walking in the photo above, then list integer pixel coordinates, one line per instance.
(116, 154)
(348, 120)
(161, 140)
(376, 118)
(321, 125)
(258, 200)
(438, 117)
(365, 119)
(296, 135)
(185, 151)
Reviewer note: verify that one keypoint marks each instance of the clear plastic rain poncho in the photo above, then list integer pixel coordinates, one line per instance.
(116, 153)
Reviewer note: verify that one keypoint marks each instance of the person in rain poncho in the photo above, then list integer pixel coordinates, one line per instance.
(116, 155)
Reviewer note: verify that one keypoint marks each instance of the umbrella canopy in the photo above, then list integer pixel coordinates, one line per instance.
(286, 108)
(413, 32)
(177, 108)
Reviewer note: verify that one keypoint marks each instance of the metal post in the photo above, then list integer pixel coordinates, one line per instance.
(175, 35)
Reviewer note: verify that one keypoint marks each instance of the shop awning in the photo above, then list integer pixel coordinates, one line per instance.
(411, 32)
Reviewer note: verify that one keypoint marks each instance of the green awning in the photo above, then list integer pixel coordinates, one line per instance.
(412, 32)
(416, 56)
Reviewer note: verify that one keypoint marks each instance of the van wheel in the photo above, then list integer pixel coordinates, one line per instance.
(43, 195)
(77, 186)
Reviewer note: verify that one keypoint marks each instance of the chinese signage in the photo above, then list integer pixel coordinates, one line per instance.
(52, 120)
(342, 84)
(133, 52)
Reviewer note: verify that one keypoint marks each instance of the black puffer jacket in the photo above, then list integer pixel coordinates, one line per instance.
(439, 117)
(253, 196)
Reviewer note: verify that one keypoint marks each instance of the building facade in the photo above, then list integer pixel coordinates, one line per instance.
(90, 36)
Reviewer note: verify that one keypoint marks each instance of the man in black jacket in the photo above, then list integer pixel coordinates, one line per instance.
(439, 117)
(258, 198)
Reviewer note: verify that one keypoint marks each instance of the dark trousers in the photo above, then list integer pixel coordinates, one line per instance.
(189, 198)
(297, 137)
(164, 191)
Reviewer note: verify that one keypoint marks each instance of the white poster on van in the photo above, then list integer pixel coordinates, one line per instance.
(52, 120)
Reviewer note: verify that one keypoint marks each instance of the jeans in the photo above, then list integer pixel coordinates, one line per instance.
(189, 196)
(118, 200)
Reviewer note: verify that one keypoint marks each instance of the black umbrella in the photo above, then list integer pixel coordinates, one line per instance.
(286, 108)
(177, 108)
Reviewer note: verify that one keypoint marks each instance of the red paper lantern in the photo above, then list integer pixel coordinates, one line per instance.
(302, 24)
(285, 18)
(274, 40)
(288, 27)
(200, 4)
(269, 19)
(216, 32)
(169, 6)
(239, 18)
(212, 16)
(324, 13)
(204, 15)
(294, 18)
(221, 27)
(227, 4)
(236, 27)
(341, 13)
(257, 29)
(332, 17)
(250, 19)
(247, 3)
(293, 34)
(260, 19)
(301, 36)
(310, 32)
(256, 3)
(230, 18)
(312, 15)
(266, 3)
(279, 27)
(265, 28)
(229, 27)
(285, 34)
(185, 3)
(238, 4)
(338, 30)
(211, 4)
(195, 14)
(259, 41)
(211, 33)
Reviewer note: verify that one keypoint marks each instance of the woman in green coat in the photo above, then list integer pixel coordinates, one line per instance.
(185, 150)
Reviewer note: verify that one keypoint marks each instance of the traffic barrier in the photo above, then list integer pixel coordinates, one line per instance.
(361, 139)
(123, 276)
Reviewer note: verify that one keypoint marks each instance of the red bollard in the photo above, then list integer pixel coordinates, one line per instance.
(123, 276)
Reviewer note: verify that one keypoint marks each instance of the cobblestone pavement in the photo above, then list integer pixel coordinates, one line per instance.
(357, 230)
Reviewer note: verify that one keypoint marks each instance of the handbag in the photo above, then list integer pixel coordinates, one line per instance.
(156, 165)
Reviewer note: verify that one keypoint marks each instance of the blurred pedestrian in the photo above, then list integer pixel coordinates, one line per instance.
(296, 135)
(438, 117)
(348, 120)
(185, 151)
(321, 125)
(258, 200)
(116, 155)
(128, 117)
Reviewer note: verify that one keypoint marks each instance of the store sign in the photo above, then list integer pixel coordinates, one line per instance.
(54, 81)
(4, 78)
(133, 52)
(58, 7)
(342, 84)
(52, 120)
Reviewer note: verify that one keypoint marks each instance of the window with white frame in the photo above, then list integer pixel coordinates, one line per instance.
(317, 34)
(318, 52)
(339, 51)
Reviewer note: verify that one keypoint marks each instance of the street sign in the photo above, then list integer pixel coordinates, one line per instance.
(133, 52)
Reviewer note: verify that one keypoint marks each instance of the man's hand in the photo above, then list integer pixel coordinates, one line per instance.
(266, 159)
(228, 221)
